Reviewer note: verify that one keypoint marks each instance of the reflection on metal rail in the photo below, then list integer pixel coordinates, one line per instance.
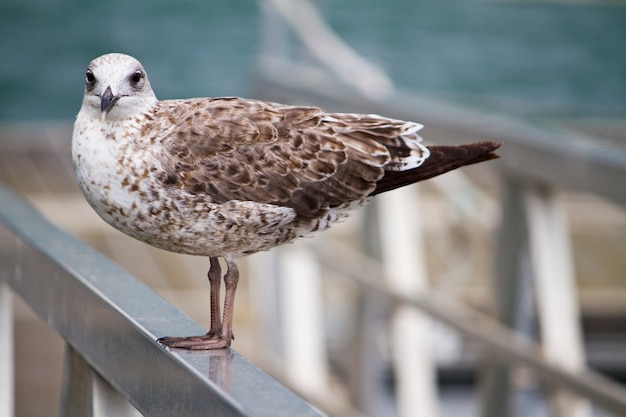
(110, 322)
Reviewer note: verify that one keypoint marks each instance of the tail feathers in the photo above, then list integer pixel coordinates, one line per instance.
(441, 160)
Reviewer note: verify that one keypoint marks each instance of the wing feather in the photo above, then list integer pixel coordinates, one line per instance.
(296, 156)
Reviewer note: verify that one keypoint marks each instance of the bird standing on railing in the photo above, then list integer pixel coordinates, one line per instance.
(228, 177)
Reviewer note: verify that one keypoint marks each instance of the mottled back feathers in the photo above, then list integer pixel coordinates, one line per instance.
(300, 157)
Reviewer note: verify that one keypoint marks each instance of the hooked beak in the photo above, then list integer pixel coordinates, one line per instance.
(107, 100)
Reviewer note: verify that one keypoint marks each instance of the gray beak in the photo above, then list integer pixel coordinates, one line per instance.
(108, 100)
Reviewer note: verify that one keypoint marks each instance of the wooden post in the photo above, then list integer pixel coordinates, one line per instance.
(404, 267)
(306, 364)
(556, 293)
(511, 244)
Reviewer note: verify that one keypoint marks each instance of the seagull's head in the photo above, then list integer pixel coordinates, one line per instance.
(117, 88)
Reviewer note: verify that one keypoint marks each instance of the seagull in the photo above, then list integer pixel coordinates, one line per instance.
(228, 177)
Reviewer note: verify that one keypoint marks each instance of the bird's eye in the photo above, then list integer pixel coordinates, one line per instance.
(90, 79)
(136, 78)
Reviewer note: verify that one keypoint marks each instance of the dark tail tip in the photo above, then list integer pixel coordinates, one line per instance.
(460, 155)
(441, 160)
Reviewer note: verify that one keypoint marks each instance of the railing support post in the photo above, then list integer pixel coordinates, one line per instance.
(305, 361)
(86, 394)
(367, 364)
(553, 269)
(7, 377)
(534, 227)
(107, 401)
(509, 267)
(76, 394)
(405, 268)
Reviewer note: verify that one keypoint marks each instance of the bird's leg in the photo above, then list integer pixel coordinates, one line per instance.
(215, 278)
(221, 334)
(230, 282)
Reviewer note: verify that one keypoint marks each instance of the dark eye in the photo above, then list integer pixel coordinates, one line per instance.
(136, 78)
(90, 79)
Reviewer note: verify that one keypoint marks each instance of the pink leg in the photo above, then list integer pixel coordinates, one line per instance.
(230, 281)
(221, 334)
(215, 278)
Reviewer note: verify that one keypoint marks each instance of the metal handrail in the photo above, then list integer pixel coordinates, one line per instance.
(113, 320)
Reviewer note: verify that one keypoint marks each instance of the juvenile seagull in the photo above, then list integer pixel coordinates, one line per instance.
(228, 177)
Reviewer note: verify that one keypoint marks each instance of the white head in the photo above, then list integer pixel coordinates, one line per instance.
(116, 88)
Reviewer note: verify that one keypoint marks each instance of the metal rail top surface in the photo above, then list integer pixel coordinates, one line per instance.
(113, 321)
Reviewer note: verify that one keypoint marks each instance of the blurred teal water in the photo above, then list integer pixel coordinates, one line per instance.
(523, 57)
(189, 48)
(527, 58)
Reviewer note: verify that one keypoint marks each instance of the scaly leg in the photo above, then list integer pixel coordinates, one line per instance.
(221, 334)
(230, 281)
(215, 280)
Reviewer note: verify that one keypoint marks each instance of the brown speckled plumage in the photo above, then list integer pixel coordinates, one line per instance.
(230, 176)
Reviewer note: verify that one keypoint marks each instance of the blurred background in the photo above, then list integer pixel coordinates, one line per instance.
(530, 59)
(555, 71)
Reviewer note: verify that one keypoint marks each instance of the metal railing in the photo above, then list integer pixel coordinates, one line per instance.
(535, 167)
(110, 322)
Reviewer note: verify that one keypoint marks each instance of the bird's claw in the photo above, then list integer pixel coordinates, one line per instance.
(205, 342)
